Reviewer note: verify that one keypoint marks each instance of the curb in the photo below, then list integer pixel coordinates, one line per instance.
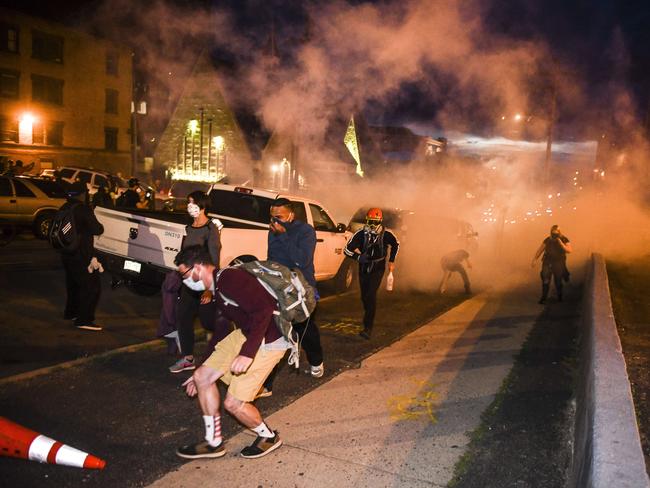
(76, 362)
(607, 448)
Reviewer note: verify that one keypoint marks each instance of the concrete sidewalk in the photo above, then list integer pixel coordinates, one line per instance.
(401, 419)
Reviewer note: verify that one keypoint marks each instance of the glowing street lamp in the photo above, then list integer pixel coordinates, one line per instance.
(193, 126)
(518, 117)
(218, 141)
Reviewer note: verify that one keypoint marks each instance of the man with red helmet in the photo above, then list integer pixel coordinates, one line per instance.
(369, 246)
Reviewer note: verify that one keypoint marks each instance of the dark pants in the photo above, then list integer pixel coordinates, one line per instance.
(309, 337)
(189, 305)
(557, 270)
(83, 291)
(369, 283)
(461, 271)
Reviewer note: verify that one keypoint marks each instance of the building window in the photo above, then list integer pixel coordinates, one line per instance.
(54, 134)
(8, 38)
(112, 63)
(9, 83)
(111, 101)
(8, 130)
(110, 138)
(47, 47)
(50, 133)
(48, 90)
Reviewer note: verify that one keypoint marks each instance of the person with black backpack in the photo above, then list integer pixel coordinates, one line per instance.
(369, 246)
(72, 232)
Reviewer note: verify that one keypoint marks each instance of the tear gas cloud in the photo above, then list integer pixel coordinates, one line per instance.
(358, 57)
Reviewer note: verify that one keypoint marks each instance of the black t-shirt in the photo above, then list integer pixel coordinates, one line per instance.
(552, 249)
(129, 199)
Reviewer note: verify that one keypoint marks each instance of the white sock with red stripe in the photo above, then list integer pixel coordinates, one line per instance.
(212, 429)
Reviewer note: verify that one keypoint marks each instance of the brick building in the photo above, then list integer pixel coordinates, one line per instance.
(65, 96)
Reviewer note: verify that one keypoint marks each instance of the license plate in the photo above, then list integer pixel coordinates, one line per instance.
(132, 266)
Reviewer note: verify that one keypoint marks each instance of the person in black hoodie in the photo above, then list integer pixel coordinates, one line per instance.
(82, 281)
(369, 246)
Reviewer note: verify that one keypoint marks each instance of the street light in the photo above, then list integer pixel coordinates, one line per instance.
(218, 142)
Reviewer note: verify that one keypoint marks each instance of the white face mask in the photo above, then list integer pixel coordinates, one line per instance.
(194, 210)
(194, 285)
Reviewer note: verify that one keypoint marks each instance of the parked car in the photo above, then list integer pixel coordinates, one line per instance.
(139, 246)
(451, 232)
(47, 173)
(30, 201)
(93, 179)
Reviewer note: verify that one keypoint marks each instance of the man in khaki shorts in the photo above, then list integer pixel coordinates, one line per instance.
(242, 360)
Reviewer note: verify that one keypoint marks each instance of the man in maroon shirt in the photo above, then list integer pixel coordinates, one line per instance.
(242, 360)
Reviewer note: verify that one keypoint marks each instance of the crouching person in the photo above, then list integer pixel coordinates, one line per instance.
(242, 360)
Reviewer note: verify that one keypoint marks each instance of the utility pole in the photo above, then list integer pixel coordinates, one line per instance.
(134, 119)
(201, 142)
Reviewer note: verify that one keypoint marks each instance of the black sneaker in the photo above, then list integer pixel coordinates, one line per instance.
(542, 301)
(201, 450)
(262, 446)
(365, 334)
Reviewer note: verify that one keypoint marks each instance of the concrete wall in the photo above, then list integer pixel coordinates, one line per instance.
(607, 448)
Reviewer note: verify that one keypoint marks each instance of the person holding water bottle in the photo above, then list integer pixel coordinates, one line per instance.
(369, 246)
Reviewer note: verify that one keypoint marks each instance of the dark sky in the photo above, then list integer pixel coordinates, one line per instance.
(605, 42)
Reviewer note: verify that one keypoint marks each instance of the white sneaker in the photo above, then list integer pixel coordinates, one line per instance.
(317, 371)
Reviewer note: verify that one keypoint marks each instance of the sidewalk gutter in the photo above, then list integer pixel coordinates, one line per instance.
(80, 361)
(401, 420)
(607, 447)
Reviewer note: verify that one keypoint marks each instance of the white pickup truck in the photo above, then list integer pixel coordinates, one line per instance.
(139, 246)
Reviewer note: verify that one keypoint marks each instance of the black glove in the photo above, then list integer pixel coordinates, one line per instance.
(363, 259)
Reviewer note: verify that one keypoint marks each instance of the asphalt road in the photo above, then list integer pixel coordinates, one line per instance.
(125, 407)
(33, 333)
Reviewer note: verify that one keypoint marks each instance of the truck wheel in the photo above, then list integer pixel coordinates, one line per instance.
(346, 276)
(41, 227)
(142, 289)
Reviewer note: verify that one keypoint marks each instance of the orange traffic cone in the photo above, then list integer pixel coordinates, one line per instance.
(17, 441)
